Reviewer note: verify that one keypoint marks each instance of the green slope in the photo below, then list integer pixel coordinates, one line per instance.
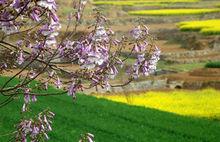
(112, 122)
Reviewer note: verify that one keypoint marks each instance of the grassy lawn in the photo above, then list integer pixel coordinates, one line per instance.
(111, 121)
(204, 103)
(204, 27)
(172, 12)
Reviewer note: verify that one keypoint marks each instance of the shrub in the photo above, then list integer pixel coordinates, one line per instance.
(213, 64)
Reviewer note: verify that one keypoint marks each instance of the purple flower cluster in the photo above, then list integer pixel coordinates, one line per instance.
(100, 35)
(90, 52)
(35, 14)
(93, 55)
(58, 83)
(147, 54)
(144, 65)
(48, 4)
(12, 21)
(73, 88)
(99, 64)
(8, 26)
(49, 30)
(3, 2)
(28, 98)
(139, 32)
(9, 16)
(35, 129)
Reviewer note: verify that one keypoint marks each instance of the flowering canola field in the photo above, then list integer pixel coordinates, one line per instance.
(170, 12)
(204, 103)
(141, 2)
(205, 26)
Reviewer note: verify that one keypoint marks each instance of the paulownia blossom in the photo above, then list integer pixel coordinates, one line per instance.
(35, 129)
(88, 137)
(58, 83)
(20, 59)
(79, 6)
(48, 4)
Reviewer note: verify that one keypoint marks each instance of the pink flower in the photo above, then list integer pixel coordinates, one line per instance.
(35, 14)
(49, 4)
(72, 89)
(78, 16)
(3, 1)
(83, 2)
(27, 98)
(20, 58)
(136, 32)
(24, 108)
(34, 98)
(58, 83)
(9, 27)
(100, 34)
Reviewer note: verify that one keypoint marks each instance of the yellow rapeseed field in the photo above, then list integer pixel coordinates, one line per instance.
(203, 103)
(141, 2)
(170, 12)
(206, 26)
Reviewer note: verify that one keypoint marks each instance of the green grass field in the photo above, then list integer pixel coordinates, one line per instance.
(179, 67)
(208, 27)
(111, 122)
(172, 12)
